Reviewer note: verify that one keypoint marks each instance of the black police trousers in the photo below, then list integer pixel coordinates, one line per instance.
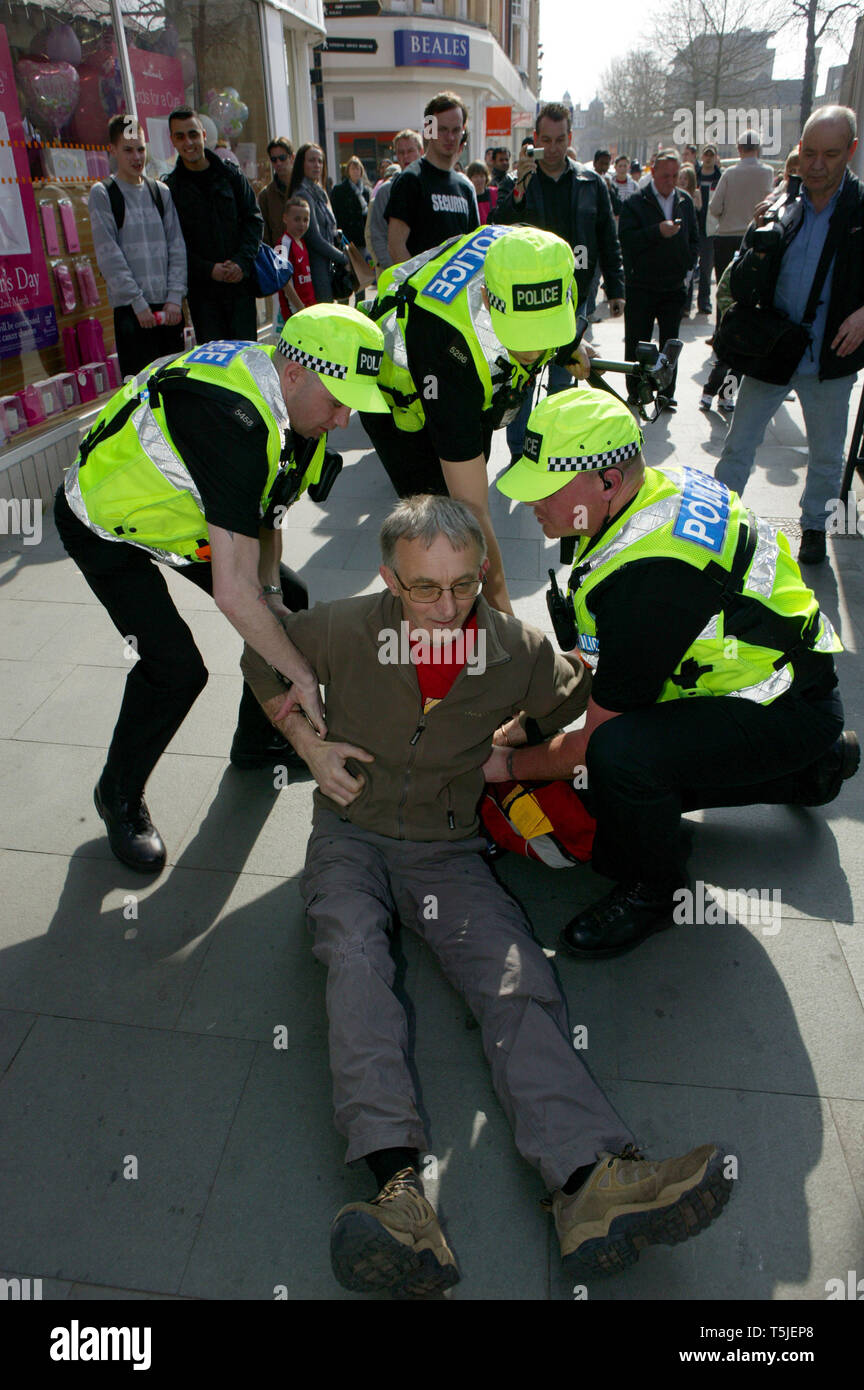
(644, 768)
(410, 460)
(170, 674)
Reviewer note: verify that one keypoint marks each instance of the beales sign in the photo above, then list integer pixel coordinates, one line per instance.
(420, 48)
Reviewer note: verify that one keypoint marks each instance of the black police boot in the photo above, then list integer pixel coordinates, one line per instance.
(813, 549)
(822, 780)
(132, 835)
(618, 922)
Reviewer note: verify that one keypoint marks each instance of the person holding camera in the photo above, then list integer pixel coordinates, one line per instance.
(807, 263)
(550, 190)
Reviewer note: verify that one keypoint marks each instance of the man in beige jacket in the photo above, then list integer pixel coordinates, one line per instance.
(740, 188)
(395, 836)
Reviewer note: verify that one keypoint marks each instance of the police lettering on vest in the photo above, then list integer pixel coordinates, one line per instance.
(704, 511)
(462, 265)
(217, 354)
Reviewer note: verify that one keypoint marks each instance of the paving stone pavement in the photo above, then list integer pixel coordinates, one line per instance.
(137, 1018)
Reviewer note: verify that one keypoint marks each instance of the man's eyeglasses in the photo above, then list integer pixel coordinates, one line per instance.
(278, 158)
(430, 593)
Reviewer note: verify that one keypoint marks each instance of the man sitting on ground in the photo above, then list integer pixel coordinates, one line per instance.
(395, 836)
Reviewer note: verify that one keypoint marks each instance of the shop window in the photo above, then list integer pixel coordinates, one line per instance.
(60, 82)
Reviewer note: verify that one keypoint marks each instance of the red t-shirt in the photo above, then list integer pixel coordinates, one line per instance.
(435, 677)
(302, 281)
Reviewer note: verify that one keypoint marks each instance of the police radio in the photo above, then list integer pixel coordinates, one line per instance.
(561, 614)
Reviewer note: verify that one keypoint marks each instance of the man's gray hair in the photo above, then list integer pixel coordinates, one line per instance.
(833, 113)
(425, 516)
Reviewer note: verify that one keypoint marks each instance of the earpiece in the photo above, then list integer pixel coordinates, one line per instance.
(607, 483)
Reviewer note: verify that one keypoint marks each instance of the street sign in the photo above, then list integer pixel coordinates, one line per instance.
(346, 9)
(334, 45)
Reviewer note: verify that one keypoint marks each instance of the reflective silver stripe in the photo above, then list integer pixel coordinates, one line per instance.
(263, 372)
(394, 340)
(160, 453)
(490, 344)
(827, 638)
(650, 519)
(763, 567)
(775, 684)
(709, 631)
(76, 503)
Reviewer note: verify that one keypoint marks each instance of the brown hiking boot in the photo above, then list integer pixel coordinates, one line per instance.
(629, 1202)
(393, 1242)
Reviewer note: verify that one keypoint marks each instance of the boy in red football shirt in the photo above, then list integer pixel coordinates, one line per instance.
(299, 292)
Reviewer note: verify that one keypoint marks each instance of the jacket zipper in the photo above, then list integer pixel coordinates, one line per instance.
(412, 744)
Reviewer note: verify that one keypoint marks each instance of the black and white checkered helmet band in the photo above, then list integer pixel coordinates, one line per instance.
(583, 462)
(306, 359)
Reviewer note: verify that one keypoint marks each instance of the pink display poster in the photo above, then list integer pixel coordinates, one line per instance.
(159, 88)
(27, 318)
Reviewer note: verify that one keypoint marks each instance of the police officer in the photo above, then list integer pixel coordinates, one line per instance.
(714, 681)
(192, 464)
(467, 328)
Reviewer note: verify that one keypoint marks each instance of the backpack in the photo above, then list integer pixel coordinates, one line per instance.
(118, 202)
(540, 820)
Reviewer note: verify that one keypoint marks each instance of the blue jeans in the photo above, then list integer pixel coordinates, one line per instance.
(559, 380)
(826, 411)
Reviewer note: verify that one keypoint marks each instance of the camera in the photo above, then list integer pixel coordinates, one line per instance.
(533, 151)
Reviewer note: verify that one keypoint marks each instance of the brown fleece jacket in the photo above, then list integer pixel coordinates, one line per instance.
(427, 778)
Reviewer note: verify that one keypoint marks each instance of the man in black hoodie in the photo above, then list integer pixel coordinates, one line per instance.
(222, 227)
(660, 244)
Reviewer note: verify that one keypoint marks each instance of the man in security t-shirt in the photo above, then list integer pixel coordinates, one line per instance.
(435, 203)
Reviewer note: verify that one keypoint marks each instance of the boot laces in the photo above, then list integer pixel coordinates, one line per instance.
(406, 1180)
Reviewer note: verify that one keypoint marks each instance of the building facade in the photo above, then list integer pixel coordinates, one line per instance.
(407, 50)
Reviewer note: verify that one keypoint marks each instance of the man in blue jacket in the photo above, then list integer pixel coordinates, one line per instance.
(828, 216)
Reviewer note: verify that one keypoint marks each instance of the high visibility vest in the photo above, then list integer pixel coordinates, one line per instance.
(446, 281)
(129, 483)
(683, 514)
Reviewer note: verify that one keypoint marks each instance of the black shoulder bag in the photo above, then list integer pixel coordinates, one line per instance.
(762, 342)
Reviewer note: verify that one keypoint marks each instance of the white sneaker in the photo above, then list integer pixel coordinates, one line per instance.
(705, 402)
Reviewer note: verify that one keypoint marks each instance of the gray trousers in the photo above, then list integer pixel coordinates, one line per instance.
(355, 884)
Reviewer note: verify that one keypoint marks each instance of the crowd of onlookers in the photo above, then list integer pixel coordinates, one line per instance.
(654, 237)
